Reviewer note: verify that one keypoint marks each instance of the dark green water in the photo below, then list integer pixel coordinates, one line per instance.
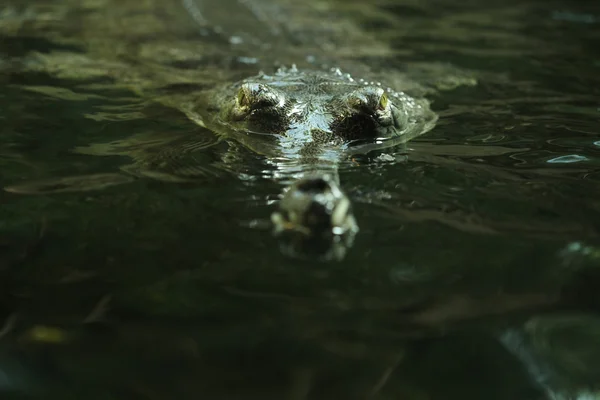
(475, 272)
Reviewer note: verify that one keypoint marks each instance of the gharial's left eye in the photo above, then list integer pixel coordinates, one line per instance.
(383, 102)
(368, 99)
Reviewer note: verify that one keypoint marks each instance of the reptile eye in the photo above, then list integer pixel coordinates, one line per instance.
(256, 96)
(368, 100)
(242, 97)
(383, 102)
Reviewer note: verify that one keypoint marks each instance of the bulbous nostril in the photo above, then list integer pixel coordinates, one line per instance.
(317, 204)
(314, 214)
(313, 186)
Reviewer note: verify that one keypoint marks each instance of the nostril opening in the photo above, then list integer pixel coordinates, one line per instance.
(317, 217)
(317, 185)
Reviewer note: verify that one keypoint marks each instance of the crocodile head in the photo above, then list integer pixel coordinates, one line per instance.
(315, 115)
(312, 120)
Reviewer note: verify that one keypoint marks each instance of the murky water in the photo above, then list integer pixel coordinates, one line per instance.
(473, 275)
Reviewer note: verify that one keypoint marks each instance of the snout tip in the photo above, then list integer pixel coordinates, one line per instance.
(315, 220)
(315, 205)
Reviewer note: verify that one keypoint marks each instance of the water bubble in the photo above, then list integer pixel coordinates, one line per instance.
(236, 40)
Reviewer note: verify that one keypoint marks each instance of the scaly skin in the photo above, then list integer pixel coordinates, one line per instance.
(313, 117)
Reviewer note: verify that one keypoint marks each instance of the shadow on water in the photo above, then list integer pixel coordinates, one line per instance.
(136, 255)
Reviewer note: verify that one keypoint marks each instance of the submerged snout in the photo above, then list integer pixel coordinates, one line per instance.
(315, 219)
(315, 205)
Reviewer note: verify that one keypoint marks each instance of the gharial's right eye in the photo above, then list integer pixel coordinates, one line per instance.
(256, 95)
(243, 99)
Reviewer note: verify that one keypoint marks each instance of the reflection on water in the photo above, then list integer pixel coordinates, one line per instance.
(142, 267)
